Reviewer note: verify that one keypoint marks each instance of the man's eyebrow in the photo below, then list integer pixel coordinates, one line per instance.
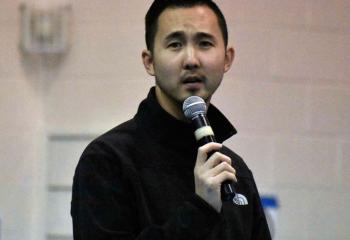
(175, 35)
(205, 35)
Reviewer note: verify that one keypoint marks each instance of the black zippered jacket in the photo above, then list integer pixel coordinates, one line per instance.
(136, 182)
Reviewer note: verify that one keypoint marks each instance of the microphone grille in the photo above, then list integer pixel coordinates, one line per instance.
(194, 106)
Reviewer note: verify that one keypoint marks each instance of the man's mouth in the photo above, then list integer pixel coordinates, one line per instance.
(193, 83)
(193, 79)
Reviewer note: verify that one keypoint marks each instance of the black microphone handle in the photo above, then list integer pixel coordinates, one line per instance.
(228, 190)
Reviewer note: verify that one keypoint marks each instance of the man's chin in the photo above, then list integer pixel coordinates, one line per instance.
(200, 93)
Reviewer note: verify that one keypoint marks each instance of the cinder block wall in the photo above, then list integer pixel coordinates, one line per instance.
(288, 94)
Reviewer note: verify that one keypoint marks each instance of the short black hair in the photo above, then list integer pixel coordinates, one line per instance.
(158, 6)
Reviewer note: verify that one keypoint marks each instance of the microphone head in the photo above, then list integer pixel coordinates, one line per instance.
(193, 106)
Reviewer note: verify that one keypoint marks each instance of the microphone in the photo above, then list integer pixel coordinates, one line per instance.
(195, 109)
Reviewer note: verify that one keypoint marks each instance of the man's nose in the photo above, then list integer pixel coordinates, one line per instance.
(191, 60)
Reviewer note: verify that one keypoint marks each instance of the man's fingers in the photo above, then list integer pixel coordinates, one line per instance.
(224, 176)
(204, 151)
(222, 167)
(216, 159)
(211, 170)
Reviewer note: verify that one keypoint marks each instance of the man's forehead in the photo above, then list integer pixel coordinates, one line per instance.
(198, 12)
(196, 18)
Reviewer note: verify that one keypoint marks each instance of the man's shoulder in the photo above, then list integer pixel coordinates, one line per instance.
(124, 130)
(115, 140)
(108, 155)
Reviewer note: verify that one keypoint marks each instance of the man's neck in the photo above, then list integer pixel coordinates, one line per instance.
(169, 105)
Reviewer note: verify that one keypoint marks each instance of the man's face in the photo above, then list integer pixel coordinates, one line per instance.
(189, 55)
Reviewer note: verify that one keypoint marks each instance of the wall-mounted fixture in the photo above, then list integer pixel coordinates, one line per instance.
(45, 30)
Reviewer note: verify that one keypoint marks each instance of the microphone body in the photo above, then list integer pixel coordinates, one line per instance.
(195, 109)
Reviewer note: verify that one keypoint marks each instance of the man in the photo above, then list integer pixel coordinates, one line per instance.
(146, 178)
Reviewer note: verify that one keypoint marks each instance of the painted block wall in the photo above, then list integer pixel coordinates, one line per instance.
(288, 94)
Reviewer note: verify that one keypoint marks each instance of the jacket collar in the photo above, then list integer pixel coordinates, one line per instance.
(158, 123)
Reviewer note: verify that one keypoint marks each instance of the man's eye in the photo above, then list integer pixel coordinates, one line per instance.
(175, 45)
(205, 44)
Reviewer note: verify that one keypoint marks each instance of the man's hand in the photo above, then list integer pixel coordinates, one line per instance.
(210, 173)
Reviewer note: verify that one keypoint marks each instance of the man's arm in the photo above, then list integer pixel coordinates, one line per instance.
(260, 229)
(105, 207)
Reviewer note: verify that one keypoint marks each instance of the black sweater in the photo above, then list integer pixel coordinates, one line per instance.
(136, 182)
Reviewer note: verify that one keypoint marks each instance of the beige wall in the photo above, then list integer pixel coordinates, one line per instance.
(288, 94)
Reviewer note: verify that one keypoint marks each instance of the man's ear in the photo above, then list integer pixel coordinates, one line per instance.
(229, 56)
(147, 59)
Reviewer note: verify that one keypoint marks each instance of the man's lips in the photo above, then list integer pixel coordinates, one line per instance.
(193, 83)
(192, 79)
